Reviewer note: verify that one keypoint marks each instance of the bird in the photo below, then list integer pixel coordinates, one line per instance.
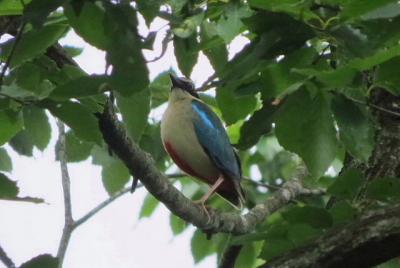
(196, 140)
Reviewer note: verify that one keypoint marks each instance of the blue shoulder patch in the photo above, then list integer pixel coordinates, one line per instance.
(204, 114)
(214, 139)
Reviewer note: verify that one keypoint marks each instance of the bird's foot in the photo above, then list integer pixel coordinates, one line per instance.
(201, 203)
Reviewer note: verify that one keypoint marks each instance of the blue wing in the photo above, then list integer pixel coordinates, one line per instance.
(214, 140)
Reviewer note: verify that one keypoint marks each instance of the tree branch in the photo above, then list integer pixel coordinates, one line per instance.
(68, 220)
(141, 165)
(5, 259)
(354, 245)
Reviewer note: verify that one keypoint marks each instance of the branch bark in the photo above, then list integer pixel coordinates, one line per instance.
(68, 220)
(141, 165)
(371, 240)
(5, 259)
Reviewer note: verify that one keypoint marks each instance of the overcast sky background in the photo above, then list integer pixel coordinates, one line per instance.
(114, 237)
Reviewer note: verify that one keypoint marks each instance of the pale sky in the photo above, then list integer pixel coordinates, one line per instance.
(114, 237)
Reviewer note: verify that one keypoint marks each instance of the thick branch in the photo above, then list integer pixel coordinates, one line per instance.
(5, 259)
(68, 220)
(141, 165)
(373, 239)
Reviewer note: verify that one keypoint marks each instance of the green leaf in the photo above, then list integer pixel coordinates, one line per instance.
(188, 26)
(32, 43)
(129, 74)
(79, 118)
(354, 9)
(355, 129)
(275, 247)
(234, 107)
(384, 189)
(151, 143)
(315, 217)
(10, 7)
(5, 161)
(37, 126)
(386, 76)
(76, 149)
(115, 174)
(342, 212)
(37, 10)
(8, 188)
(389, 11)
(298, 9)
(28, 77)
(304, 125)
(135, 110)
(10, 124)
(149, 206)
(216, 53)
(160, 88)
(177, 224)
(22, 143)
(300, 233)
(380, 56)
(247, 256)
(80, 87)
(201, 247)
(186, 53)
(149, 9)
(259, 124)
(279, 79)
(230, 24)
(41, 261)
(89, 15)
(347, 184)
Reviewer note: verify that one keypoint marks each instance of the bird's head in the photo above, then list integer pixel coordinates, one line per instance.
(184, 84)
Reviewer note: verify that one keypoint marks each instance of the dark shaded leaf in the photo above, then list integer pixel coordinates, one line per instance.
(10, 124)
(41, 261)
(315, 217)
(160, 88)
(347, 184)
(342, 212)
(186, 53)
(37, 126)
(275, 247)
(384, 189)
(79, 118)
(22, 143)
(135, 110)
(80, 87)
(83, 23)
(259, 124)
(355, 129)
(300, 233)
(32, 43)
(37, 10)
(5, 161)
(76, 149)
(233, 107)
(304, 125)
(8, 188)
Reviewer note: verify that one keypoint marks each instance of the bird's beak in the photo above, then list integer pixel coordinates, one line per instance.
(176, 82)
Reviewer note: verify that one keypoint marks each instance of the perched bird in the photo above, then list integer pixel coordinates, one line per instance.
(196, 140)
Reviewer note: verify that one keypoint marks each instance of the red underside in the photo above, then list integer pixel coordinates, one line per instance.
(182, 164)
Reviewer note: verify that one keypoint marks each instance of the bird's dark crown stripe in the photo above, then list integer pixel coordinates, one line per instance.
(203, 114)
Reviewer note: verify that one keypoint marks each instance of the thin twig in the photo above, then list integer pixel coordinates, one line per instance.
(382, 109)
(8, 61)
(102, 205)
(209, 83)
(68, 220)
(5, 259)
(111, 199)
